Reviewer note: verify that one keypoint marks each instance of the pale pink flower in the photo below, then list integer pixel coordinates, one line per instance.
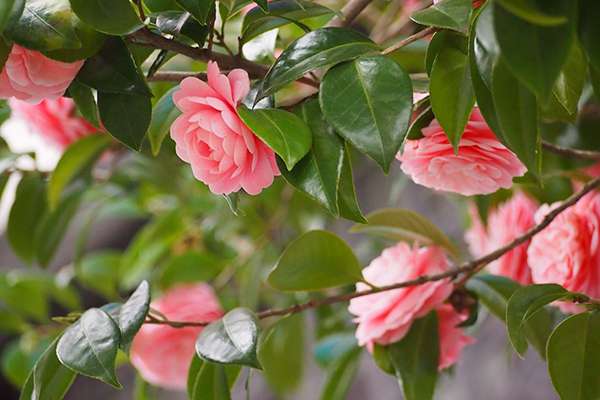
(508, 221)
(452, 337)
(54, 120)
(567, 252)
(162, 354)
(30, 76)
(223, 152)
(482, 165)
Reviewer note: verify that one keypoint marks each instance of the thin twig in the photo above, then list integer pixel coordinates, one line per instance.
(412, 38)
(349, 12)
(571, 153)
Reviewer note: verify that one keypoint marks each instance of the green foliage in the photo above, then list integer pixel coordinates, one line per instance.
(450, 14)
(199, 9)
(210, 381)
(114, 17)
(164, 114)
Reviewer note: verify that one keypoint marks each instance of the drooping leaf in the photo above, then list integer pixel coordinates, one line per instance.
(231, 340)
(440, 41)
(163, 116)
(90, 346)
(317, 49)
(369, 102)
(405, 225)
(574, 357)
(115, 17)
(86, 103)
(131, 130)
(133, 313)
(530, 11)
(449, 14)
(315, 260)
(282, 131)
(200, 9)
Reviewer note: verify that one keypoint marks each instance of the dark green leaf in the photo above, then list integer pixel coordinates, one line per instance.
(231, 340)
(115, 17)
(133, 313)
(317, 49)
(589, 30)
(574, 357)
(200, 9)
(129, 130)
(369, 102)
(523, 305)
(422, 120)
(210, 381)
(450, 14)
(530, 11)
(8, 9)
(442, 40)
(415, 358)
(316, 260)
(90, 346)
(83, 97)
(340, 376)
(163, 116)
(191, 266)
(5, 49)
(282, 131)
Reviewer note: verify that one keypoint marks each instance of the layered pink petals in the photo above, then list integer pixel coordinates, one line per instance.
(567, 252)
(209, 135)
(162, 354)
(505, 223)
(452, 337)
(54, 120)
(482, 164)
(30, 76)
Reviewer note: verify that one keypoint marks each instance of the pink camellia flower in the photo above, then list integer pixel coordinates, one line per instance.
(482, 165)
(222, 150)
(567, 252)
(386, 317)
(505, 223)
(30, 76)
(54, 120)
(452, 337)
(162, 354)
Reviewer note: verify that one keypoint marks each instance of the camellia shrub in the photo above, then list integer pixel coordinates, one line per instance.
(232, 127)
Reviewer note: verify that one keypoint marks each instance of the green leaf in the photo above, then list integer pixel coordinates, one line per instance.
(100, 272)
(8, 9)
(200, 9)
(422, 120)
(523, 305)
(589, 30)
(280, 13)
(493, 291)
(5, 49)
(24, 296)
(90, 346)
(369, 102)
(210, 381)
(449, 14)
(230, 340)
(130, 131)
(574, 357)
(281, 354)
(320, 173)
(133, 313)
(320, 48)
(316, 260)
(75, 161)
(530, 11)
(452, 96)
(84, 99)
(440, 41)
(415, 358)
(191, 266)
(282, 131)
(535, 54)
(26, 214)
(340, 376)
(115, 17)
(163, 116)
(49, 379)
(405, 225)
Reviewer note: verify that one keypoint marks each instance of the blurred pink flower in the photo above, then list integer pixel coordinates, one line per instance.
(567, 252)
(482, 165)
(54, 120)
(452, 337)
(30, 76)
(505, 223)
(222, 150)
(162, 354)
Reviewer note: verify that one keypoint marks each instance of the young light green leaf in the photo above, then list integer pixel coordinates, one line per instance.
(231, 340)
(282, 131)
(90, 346)
(316, 260)
(405, 225)
(449, 14)
(133, 313)
(574, 357)
(163, 116)
(369, 102)
(130, 131)
(115, 17)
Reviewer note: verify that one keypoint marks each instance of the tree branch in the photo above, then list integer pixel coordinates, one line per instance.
(469, 269)
(412, 38)
(570, 153)
(350, 11)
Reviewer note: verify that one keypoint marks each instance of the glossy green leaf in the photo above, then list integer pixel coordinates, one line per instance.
(26, 214)
(282, 131)
(99, 272)
(320, 48)
(347, 201)
(316, 260)
(210, 381)
(405, 225)
(231, 340)
(441, 40)
(369, 102)
(115, 17)
(422, 120)
(84, 99)
(535, 54)
(8, 9)
(75, 161)
(574, 357)
(130, 131)
(530, 11)
(449, 14)
(5, 49)
(589, 30)
(415, 358)
(340, 376)
(281, 12)
(321, 172)
(90, 346)
(49, 379)
(163, 116)
(191, 266)
(523, 304)
(133, 313)
(200, 9)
